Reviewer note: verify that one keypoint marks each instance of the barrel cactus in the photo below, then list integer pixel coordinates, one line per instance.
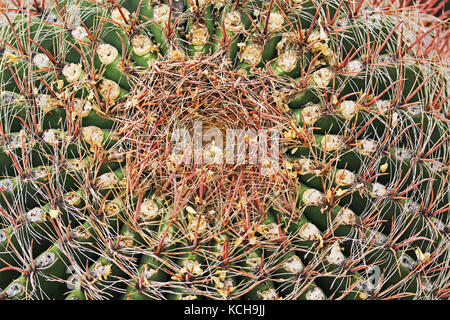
(115, 184)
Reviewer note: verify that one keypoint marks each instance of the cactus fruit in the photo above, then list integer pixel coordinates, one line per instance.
(96, 203)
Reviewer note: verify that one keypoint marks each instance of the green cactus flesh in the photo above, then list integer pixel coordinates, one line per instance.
(96, 204)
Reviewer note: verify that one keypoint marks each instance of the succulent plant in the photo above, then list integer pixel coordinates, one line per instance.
(97, 201)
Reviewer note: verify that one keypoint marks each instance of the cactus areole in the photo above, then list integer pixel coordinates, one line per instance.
(211, 149)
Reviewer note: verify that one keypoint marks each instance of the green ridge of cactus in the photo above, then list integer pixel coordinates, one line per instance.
(99, 198)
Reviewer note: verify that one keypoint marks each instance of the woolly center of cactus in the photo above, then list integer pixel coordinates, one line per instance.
(196, 124)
